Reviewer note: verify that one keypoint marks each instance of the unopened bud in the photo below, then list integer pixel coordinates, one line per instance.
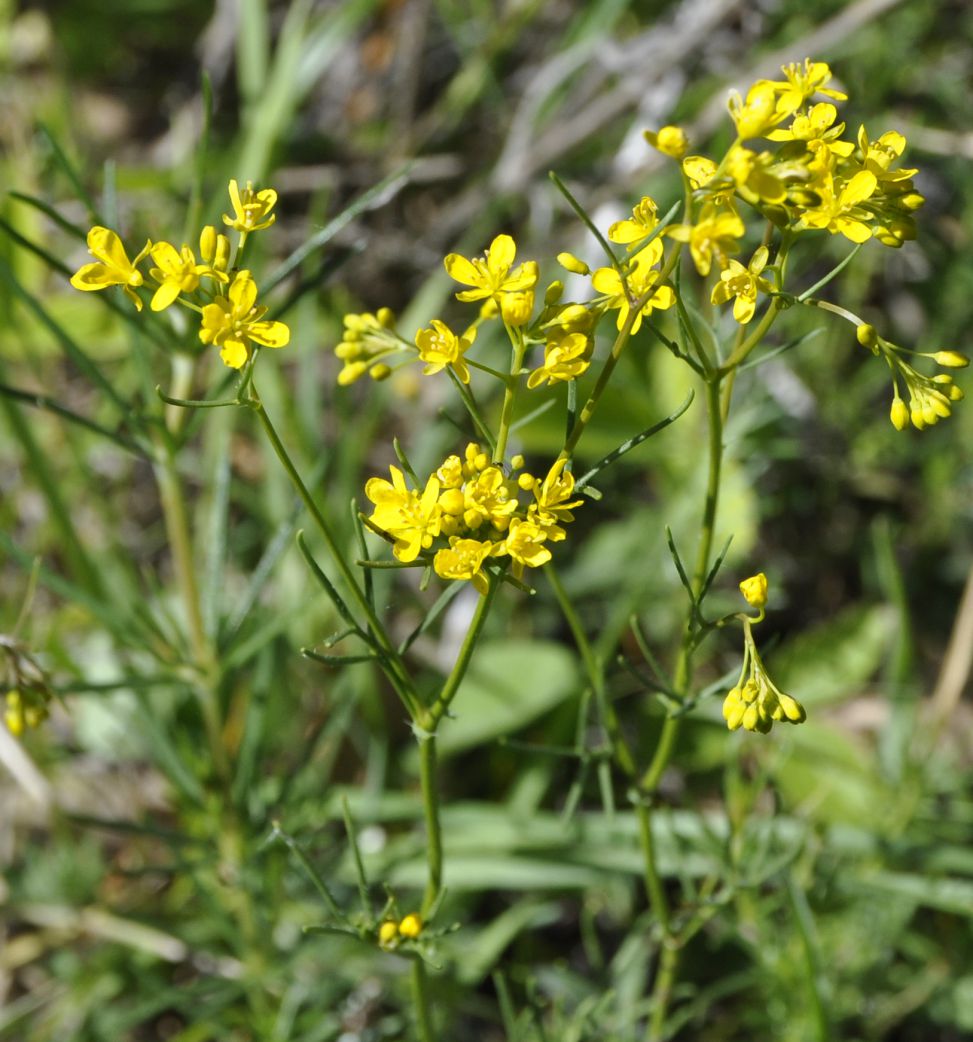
(899, 414)
(411, 926)
(754, 590)
(951, 359)
(575, 265)
(867, 336)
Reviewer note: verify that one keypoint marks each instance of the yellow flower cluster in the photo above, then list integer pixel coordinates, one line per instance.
(814, 179)
(469, 512)
(502, 291)
(392, 933)
(28, 694)
(756, 703)
(230, 317)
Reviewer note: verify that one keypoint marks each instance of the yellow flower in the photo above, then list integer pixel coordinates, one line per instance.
(752, 176)
(463, 560)
(413, 520)
(441, 347)
(554, 503)
(641, 278)
(759, 113)
(743, 283)
(177, 273)
(838, 209)
(491, 276)
(251, 210)
(566, 357)
(645, 216)
(699, 170)
(670, 141)
(488, 498)
(754, 590)
(112, 266)
(714, 234)
(817, 125)
(525, 545)
(803, 82)
(231, 322)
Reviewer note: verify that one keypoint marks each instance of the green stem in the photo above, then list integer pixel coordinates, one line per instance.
(430, 719)
(396, 670)
(427, 725)
(434, 835)
(518, 348)
(621, 750)
(682, 683)
(420, 1000)
(744, 349)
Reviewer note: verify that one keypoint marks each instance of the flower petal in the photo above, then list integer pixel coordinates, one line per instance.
(94, 276)
(164, 296)
(270, 334)
(501, 254)
(462, 270)
(243, 292)
(234, 353)
(104, 244)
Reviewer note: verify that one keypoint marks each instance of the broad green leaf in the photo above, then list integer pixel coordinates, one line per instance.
(509, 684)
(835, 659)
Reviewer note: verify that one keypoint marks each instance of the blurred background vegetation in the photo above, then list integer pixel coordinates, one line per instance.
(138, 900)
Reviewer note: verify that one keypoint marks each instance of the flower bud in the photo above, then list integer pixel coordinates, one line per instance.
(222, 259)
(386, 317)
(575, 265)
(453, 502)
(867, 336)
(669, 140)
(380, 371)
(792, 709)
(207, 243)
(899, 414)
(351, 372)
(387, 933)
(951, 359)
(553, 293)
(410, 926)
(754, 590)
(517, 308)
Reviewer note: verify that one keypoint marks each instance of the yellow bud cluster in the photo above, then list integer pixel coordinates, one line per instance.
(25, 709)
(758, 705)
(366, 340)
(392, 933)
